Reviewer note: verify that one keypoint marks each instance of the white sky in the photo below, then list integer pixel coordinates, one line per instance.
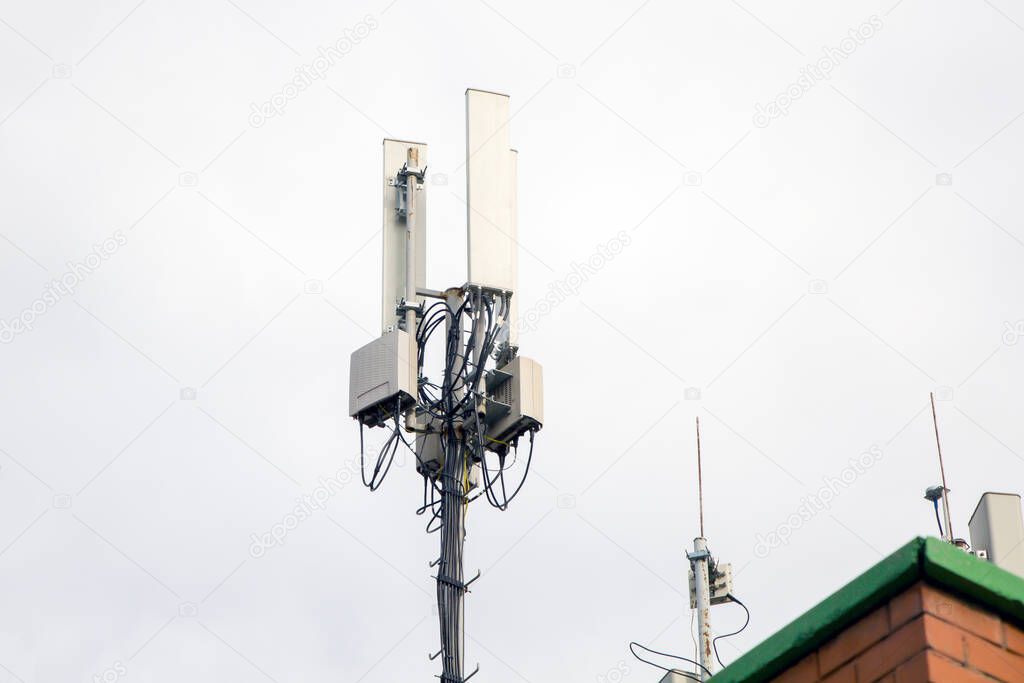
(814, 286)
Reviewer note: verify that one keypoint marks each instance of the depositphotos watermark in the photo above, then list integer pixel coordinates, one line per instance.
(63, 286)
(815, 72)
(306, 74)
(305, 507)
(818, 502)
(570, 285)
(1013, 332)
(615, 674)
(111, 673)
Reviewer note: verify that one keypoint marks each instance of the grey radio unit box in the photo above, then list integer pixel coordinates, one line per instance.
(382, 379)
(430, 460)
(515, 402)
(429, 454)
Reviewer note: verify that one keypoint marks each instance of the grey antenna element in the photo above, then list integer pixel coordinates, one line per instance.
(948, 535)
(700, 482)
(465, 418)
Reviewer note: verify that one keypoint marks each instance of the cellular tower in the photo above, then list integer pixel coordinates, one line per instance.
(464, 412)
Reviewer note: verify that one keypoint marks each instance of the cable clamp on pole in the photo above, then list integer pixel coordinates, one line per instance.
(458, 584)
(445, 678)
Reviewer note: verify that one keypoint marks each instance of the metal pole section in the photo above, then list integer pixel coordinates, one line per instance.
(411, 183)
(451, 589)
(479, 326)
(700, 482)
(699, 560)
(942, 470)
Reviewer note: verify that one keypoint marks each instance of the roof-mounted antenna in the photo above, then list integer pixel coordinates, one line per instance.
(931, 494)
(710, 582)
(700, 482)
(700, 559)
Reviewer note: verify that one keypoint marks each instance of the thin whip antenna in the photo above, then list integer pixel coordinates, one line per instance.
(942, 470)
(700, 482)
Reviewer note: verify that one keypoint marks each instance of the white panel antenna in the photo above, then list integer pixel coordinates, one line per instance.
(513, 330)
(398, 153)
(490, 191)
(997, 527)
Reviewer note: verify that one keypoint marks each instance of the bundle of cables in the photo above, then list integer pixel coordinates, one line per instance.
(452, 411)
(685, 674)
(456, 404)
(696, 664)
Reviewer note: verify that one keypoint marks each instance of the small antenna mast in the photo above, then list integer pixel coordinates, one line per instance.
(942, 470)
(700, 560)
(710, 583)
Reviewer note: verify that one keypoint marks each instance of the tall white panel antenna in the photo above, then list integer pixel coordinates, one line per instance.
(513, 334)
(490, 191)
(398, 153)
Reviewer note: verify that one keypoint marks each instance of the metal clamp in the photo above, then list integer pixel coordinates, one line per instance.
(402, 306)
(445, 677)
(401, 183)
(416, 173)
(457, 584)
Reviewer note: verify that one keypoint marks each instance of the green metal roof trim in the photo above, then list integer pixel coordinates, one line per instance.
(930, 559)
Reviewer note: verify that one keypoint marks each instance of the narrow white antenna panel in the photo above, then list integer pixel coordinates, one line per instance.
(490, 191)
(397, 153)
(513, 316)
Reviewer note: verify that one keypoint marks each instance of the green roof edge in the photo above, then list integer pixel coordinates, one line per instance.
(929, 559)
(978, 581)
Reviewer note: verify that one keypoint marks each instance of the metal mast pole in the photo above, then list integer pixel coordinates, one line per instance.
(942, 470)
(450, 576)
(699, 561)
(451, 589)
(411, 183)
(700, 482)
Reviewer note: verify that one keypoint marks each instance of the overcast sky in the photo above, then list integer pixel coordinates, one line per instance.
(818, 219)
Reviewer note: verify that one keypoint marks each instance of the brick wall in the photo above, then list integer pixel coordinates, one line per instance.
(922, 635)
